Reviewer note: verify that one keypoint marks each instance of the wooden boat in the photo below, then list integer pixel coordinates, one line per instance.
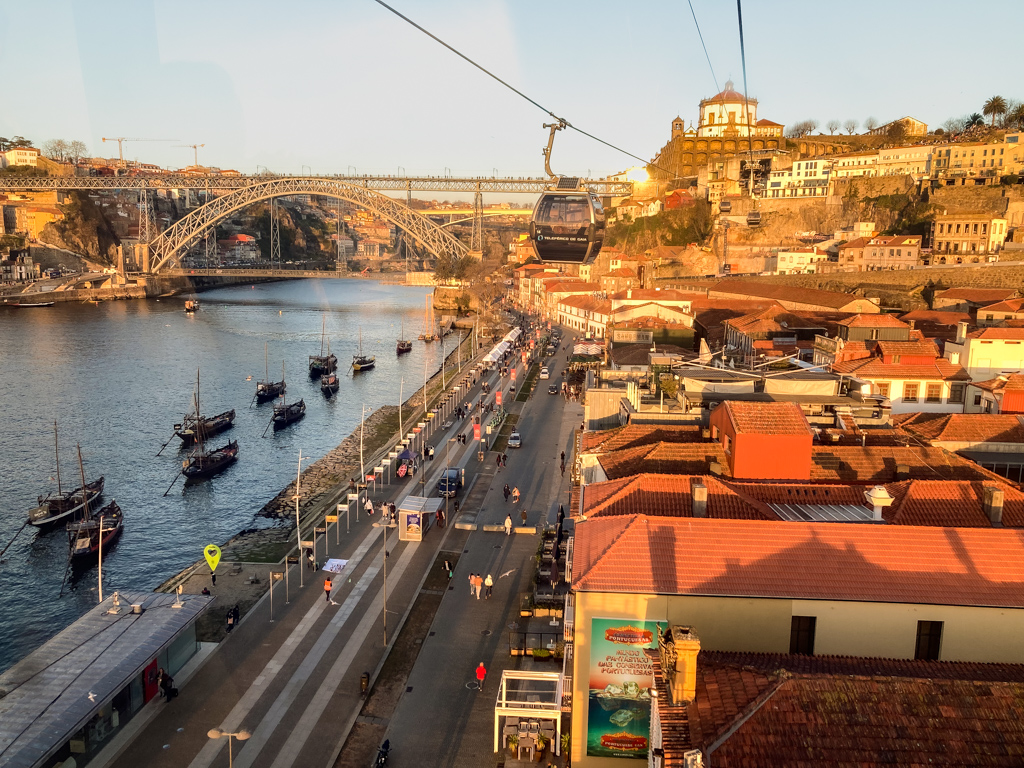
(191, 305)
(321, 364)
(267, 390)
(404, 345)
(428, 334)
(362, 362)
(84, 536)
(286, 414)
(26, 305)
(190, 427)
(53, 508)
(329, 383)
(203, 464)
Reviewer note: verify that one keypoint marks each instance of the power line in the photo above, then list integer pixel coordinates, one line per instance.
(746, 105)
(515, 90)
(717, 89)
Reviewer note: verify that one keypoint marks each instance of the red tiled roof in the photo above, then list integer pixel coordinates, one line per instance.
(773, 318)
(810, 296)
(873, 321)
(587, 303)
(668, 496)
(977, 295)
(908, 348)
(878, 464)
(874, 368)
(640, 554)
(767, 418)
(950, 504)
(937, 316)
(568, 286)
(621, 272)
(965, 427)
(663, 458)
(638, 354)
(1010, 305)
(764, 121)
(1010, 382)
(633, 435)
(998, 334)
(651, 294)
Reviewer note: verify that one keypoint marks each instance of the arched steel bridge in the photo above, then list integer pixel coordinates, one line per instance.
(167, 249)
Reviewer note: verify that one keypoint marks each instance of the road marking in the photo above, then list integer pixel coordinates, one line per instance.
(322, 698)
(248, 700)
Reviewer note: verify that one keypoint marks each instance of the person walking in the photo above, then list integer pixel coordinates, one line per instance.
(235, 613)
(368, 506)
(488, 586)
(507, 492)
(563, 457)
(562, 467)
(497, 460)
(478, 583)
(481, 673)
(515, 495)
(508, 525)
(448, 569)
(230, 619)
(504, 459)
(522, 516)
(327, 589)
(472, 580)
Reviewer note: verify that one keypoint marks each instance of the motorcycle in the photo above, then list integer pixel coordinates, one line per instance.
(382, 754)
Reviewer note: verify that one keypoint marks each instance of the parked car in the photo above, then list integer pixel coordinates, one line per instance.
(515, 440)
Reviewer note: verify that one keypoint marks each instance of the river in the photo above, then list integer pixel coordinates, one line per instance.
(117, 375)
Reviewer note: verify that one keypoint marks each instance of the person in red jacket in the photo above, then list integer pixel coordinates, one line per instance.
(481, 673)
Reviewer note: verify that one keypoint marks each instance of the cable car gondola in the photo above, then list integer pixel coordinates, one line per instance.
(754, 219)
(567, 226)
(725, 206)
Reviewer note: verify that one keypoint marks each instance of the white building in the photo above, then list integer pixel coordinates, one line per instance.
(987, 352)
(857, 164)
(905, 161)
(806, 178)
(19, 156)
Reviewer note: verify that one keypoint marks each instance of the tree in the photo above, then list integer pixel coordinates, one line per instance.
(896, 131)
(871, 123)
(1015, 117)
(954, 124)
(77, 150)
(973, 120)
(56, 149)
(994, 106)
(850, 126)
(832, 126)
(801, 129)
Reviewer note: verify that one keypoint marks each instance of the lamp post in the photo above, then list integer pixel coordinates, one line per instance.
(384, 525)
(217, 733)
(298, 532)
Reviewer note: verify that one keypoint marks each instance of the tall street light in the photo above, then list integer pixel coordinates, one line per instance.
(384, 525)
(217, 733)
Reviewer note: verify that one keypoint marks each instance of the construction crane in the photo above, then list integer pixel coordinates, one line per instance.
(120, 144)
(194, 147)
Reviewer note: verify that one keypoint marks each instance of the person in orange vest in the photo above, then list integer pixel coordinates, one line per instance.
(327, 589)
(481, 673)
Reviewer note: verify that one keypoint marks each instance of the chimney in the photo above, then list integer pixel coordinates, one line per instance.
(878, 497)
(699, 493)
(911, 324)
(902, 471)
(961, 332)
(678, 648)
(629, 293)
(993, 505)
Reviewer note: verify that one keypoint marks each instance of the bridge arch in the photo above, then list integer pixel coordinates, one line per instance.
(172, 244)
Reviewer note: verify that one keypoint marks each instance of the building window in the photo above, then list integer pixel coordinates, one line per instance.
(933, 393)
(910, 393)
(883, 388)
(956, 392)
(929, 639)
(801, 635)
(977, 399)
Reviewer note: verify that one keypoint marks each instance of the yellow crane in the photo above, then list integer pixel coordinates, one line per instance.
(194, 147)
(120, 144)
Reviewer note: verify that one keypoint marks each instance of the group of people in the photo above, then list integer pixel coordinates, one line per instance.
(232, 618)
(513, 492)
(387, 509)
(166, 684)
(478, 582)
(501, 460)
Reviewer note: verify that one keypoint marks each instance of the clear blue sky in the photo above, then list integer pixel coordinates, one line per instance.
(337, 83)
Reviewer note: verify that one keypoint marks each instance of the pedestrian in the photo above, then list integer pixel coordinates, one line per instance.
(230, 620)
(481, 673)
(166, 684)
(368, 506)
(504, 459)
(563, 457)
(478, 583)
(497, 460)
(508, 525)
(507, 492)
(440, 518)
(456, 506)
(352, 485)
(310, 560)
(327, 589)
(488, 586)
(448, 568)
(206, 590)
(515, 495)
(522, 515)
(472, 579)
(563, 469)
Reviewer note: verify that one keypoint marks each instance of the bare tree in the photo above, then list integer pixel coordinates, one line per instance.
(833, 126)
(812, 125)
(801, 129)
(56, 149)
(77, 150)
(871, 123)
(954, 125)
(850, 126)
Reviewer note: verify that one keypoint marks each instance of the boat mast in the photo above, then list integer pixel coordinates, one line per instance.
(85, 491)
(56, 450)
(323, 330)
(266, 363)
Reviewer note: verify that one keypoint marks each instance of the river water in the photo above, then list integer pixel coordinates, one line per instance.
(117, 375)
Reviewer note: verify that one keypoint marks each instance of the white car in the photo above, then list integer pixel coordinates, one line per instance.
(544, 374)
(515, 440)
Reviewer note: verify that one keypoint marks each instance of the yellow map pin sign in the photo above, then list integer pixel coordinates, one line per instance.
(212, 554)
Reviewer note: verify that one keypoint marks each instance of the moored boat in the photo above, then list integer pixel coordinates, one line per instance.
(404, 345)
(287, 414)
(191, 305)
(190, 428)
(56, 507)
(267, 390)
(203, 464)
(329, 383)
(85, 536)
(321, 364)
(362, 362)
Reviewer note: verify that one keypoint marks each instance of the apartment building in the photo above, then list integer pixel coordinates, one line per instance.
(958, 237)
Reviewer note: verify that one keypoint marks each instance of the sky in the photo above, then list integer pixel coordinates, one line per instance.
(344, 86)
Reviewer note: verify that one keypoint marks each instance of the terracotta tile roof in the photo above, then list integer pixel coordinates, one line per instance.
(621, 272)
(668, 496)
(569, 286)
(977, 295)
(587, 303)
(633, 435)
(767, 418)
(664, 459)
(965, 427)
(1010, 305)
(651, 294)
(873, 321)
(639, 354)
(640, 554)
(950, 504)
(801, 493)
(809, 296)
(878, 464)
(1006, 383)
(998, 334)
(874, 368)
(908, 348)
(774, 318)
(937, 317)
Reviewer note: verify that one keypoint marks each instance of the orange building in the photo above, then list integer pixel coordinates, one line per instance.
(767, 441)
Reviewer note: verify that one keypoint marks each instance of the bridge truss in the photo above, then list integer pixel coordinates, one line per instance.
(172, 244)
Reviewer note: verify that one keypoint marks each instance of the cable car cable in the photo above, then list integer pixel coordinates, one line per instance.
(520, 93)
(717, 89)
(746, 104)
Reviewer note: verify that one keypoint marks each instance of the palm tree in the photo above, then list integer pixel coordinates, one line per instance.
(1016, 117)
(994, 106)
(973, 120)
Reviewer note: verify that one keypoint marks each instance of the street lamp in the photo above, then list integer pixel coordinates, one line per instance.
(384, 525)
(298, 531)
(217, 733)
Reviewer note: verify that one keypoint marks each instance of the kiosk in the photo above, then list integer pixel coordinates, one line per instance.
(416, 516)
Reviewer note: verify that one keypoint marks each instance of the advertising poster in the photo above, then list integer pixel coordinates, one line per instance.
(619, 719)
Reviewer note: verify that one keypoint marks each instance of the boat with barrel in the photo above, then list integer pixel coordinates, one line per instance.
(362, 362)
(321, 364)
(268, 390)
(203, 463)
(428, 334)
(191, 305)
(98, 530)
(54, 508)
(404, 344)
(329, 383)
(191, 426)
(288, 414)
